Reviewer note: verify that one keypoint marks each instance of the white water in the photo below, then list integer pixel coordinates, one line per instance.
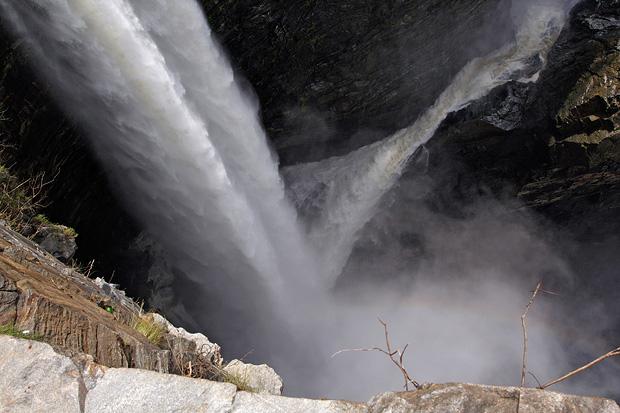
(353, 185)
(162, 109)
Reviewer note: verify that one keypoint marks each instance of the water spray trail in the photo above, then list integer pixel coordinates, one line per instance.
(162, 109)
(354, 184)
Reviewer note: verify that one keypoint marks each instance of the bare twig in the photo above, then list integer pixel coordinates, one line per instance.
(89, 269)
(524, 326)
(396, 356)
(612, 353)
(535, 378)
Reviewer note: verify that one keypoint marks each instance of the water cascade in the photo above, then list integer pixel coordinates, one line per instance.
(163, 111)
(351, 186)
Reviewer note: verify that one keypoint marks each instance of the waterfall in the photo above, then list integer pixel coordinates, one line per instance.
(184, 146)
(161, 106)
(350, 187)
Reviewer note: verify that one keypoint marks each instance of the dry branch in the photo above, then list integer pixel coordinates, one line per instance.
(524, 326)
(396, 356)
(612, 353)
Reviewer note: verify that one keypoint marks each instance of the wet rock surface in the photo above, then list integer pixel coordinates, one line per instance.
(553, 143)
(56, 241)
(333, 76)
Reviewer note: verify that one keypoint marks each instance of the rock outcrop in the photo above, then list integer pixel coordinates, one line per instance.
(96, 324)
(43, 296)
(262, 379)
(457, 398)
(57, 240)
(553, 143)
(36, 379)
(85, 317)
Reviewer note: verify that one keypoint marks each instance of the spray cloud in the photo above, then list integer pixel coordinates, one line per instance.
(162, 109)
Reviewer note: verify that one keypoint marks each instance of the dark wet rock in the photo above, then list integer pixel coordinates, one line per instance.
(335, 75)
(526, 139)
(57, 240)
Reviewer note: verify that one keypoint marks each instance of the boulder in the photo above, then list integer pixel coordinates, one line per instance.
(132, 390)
(179, 338)
(464, 398)
(37, 379)
(57, 240)
(262, 379)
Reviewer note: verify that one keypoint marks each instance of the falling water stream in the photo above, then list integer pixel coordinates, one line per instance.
(353, 185)
(162, 109)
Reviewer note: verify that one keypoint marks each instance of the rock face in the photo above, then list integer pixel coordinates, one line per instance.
(83, 316)
(457, 398)
(45, 297)
(56, 241)
(334, 75)
(262, 379)
(553, 143)
(36, 379)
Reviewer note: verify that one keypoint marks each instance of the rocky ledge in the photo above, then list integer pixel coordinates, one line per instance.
(35, 379)
(72, 344)
(90, 321)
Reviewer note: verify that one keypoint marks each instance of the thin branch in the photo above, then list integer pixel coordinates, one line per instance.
(350, 350)
(612, 353)
(550, 292)
(524, 326)
(398, 362)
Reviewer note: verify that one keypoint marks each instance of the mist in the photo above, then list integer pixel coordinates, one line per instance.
(454, 289)
(298, 273)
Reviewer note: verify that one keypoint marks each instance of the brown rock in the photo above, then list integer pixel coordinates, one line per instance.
(40, 294)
